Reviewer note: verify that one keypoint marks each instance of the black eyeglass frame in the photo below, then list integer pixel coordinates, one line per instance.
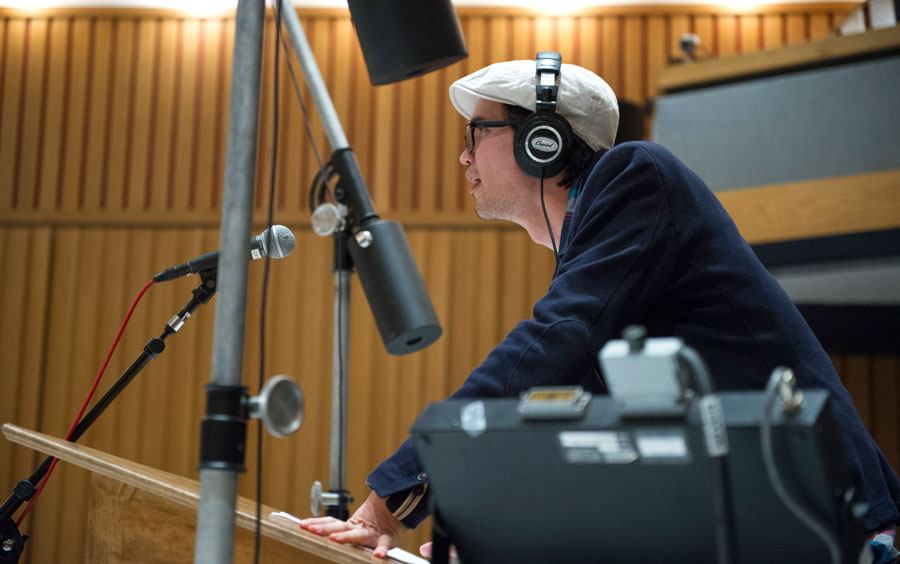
(480, 123)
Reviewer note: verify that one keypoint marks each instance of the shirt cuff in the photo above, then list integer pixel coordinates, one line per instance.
(410, 506)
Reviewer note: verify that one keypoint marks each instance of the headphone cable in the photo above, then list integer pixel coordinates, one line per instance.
(547, 219)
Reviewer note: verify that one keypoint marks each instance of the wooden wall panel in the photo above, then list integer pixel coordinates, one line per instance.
(24, 286)
(125, 111)
(816, 208)
(112, 145)
(14, 61)
(873, 384)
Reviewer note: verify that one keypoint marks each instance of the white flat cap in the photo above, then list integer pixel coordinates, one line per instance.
(585, 99)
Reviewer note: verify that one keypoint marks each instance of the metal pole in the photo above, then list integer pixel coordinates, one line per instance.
(314, 81)
(339, 381)
(340, 368)
(218, 487)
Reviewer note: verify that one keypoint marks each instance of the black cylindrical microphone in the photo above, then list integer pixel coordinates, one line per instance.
(394, 288)
(276, 242)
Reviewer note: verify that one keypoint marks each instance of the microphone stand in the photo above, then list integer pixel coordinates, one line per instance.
(223, 431)
(340, 379)
(338, 498)
(11, 542)
(380, 253)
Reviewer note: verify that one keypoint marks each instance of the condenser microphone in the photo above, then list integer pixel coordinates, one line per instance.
(276, 242)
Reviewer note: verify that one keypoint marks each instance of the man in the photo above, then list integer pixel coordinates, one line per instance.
(641, 240)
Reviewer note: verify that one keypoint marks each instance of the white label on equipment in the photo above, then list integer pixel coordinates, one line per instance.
(714, 430)
(661, 446)
(472, 418)
(587, 447)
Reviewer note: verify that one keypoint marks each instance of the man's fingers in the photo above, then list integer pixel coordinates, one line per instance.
(305, 523)
(384, 544)
(329, 528)
(372, 526)
(355, 535)
(427, 548)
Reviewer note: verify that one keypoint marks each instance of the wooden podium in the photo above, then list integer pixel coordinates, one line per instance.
(138, 514)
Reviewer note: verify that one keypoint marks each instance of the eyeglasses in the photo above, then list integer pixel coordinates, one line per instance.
(480, 125)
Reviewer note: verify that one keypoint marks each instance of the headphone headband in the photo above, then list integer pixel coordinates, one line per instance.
(544, 140)
(546, 84)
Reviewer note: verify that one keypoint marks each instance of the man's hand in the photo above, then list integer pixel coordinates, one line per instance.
(427, 548)
(372, 525)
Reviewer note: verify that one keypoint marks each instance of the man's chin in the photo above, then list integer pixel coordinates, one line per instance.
(490, 214)
(487, 208)
(484, 213)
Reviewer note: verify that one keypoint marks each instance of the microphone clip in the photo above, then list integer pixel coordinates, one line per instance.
(202, 294)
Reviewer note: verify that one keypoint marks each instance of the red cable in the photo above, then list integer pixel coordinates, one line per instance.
(87, 400)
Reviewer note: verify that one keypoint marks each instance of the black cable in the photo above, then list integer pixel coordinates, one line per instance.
(320, 185)
(547, 219)
(322, 168)
(265, 284)
(342, 464)
(716, 438)
(325, 173)
(793, 504)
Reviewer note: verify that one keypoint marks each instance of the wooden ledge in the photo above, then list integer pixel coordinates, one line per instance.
(814, 53)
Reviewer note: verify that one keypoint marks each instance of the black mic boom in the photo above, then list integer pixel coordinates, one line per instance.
(276, 242)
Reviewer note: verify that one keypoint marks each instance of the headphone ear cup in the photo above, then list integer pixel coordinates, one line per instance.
(543, 145)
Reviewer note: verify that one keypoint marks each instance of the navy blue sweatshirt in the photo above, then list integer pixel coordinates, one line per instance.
(648, 243)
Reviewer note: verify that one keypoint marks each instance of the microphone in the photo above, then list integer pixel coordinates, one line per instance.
(276, 242)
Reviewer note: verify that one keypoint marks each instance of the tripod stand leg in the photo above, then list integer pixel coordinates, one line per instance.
(11, 542)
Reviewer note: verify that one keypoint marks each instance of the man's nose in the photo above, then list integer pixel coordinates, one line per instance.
(465, 158)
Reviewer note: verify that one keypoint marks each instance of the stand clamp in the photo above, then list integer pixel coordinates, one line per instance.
(336, 502)
(280, 407)
(224, 430)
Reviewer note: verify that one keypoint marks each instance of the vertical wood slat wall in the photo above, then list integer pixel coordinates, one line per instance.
(112, 142)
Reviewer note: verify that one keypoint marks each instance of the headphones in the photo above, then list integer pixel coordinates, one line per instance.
(543, 143)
